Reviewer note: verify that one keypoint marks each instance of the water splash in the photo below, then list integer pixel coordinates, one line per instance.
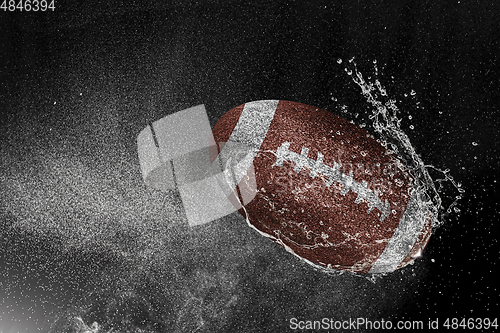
(386, 123)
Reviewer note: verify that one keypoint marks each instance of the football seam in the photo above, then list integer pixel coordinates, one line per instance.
(334, 175)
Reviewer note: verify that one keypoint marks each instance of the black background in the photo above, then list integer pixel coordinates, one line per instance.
(82, 236)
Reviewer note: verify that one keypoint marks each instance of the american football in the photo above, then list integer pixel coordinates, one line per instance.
(326, 189)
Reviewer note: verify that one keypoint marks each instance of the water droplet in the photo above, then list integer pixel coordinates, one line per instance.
(384, 117)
